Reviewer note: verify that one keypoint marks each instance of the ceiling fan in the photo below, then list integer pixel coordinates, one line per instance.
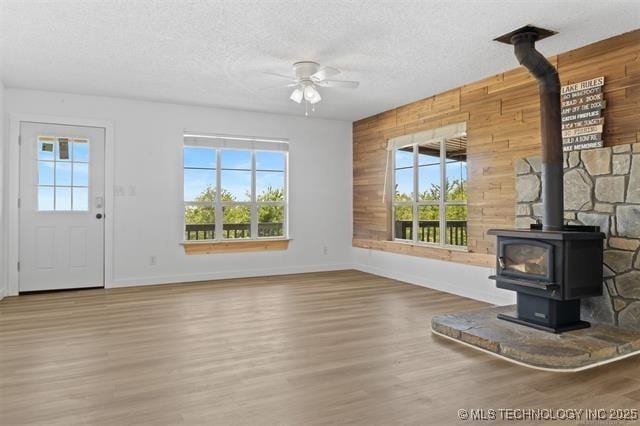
(307, 77)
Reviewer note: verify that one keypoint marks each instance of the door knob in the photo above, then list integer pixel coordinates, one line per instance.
(99, 216)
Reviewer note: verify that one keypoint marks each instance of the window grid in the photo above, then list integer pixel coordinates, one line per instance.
(442, 203)
(54, 162)
(254, 205)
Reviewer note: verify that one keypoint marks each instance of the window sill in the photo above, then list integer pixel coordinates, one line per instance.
(433, 246)
(450, 254)
(213, 247)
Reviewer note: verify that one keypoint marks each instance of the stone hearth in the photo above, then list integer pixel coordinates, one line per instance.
(601, 187)
(571, 351)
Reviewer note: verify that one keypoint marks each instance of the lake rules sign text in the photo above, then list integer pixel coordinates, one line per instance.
(581, 105)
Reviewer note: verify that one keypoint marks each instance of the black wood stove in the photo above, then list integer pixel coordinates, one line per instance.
(551, 271)
(550, 266)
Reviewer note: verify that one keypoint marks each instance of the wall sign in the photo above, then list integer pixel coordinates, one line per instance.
(582, 122)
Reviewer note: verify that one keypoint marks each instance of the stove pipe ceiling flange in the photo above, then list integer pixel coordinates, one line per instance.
(524, 39)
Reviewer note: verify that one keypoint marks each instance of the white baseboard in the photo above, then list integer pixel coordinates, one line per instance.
(460, 279)
(480, 290)
(244, 273)
(471, 292)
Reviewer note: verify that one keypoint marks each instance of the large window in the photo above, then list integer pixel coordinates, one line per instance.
(430, 191)
(234, 189)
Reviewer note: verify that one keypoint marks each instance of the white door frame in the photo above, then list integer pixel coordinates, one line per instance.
(12, 245)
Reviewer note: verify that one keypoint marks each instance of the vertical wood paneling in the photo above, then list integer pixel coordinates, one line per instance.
(503, 116)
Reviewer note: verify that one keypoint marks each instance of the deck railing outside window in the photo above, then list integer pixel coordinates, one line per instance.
(430, 186)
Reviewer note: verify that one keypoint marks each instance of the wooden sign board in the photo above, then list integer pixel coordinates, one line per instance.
(581, 114)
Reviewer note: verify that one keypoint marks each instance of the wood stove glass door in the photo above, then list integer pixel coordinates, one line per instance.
(524, 258)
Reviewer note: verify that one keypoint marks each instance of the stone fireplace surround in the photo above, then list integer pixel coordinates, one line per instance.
(601, 187)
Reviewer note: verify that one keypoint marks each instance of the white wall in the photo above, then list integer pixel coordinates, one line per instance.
(148, 159)
(148, 143)
(3, 269)
(463, 280)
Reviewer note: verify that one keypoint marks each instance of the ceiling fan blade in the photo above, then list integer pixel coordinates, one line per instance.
(338, 83)
(275, 74)
(324, 73)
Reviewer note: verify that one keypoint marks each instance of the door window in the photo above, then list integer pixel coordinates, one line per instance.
(63, 174)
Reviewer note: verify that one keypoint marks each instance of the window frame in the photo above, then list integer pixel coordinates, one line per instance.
(253, 204)
(416, 203)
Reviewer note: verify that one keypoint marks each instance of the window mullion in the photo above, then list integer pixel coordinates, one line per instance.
(254, 208)
(415, 224)
(393, 195)
(443, 189)
(218, 198)
(285, 208)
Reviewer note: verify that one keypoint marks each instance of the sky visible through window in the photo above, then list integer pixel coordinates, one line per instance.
(200, 173)
(429, 172)
(63, 183)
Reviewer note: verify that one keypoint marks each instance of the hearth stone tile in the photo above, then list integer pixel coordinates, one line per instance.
(629, 220)
(528, 187)
(621, 148)
(597, 161)
(604, 208)
(598, 309)
(624, 243)
(595, 219)
(523, 210)
(607, 273)
(633, 191)
(538, 210)
(524, 222)
(627, 284)
(618, 260)
(569, 351)
(619, 304)
(574, 158)
(539, 354)
(522, 167)
(630, 317)
(621, 164)
(536, 163)
(610, 189)
(579, 197)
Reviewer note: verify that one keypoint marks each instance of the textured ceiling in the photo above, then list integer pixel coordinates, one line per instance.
(213, 52)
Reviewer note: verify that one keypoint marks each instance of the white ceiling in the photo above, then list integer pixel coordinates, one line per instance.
(213, 52)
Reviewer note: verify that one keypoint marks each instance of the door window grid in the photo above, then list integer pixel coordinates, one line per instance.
(248, 206)
(63, 174)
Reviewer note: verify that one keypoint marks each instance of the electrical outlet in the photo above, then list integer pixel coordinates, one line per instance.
(153, 261)
(325, 250)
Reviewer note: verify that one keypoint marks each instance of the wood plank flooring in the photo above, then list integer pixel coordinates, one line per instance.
(323, 348)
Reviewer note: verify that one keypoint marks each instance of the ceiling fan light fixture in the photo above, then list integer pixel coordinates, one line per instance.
(310, 93)
(296, 95)
(317, 98)
(307, 78)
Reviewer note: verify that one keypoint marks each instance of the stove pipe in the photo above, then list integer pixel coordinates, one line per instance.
(550, 126)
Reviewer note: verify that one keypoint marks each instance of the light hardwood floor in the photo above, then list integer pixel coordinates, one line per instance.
(322, 348)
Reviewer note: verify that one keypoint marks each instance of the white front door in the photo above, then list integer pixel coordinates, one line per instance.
(61, 206)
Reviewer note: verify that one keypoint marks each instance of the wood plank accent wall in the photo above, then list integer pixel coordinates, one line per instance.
(503, 117)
